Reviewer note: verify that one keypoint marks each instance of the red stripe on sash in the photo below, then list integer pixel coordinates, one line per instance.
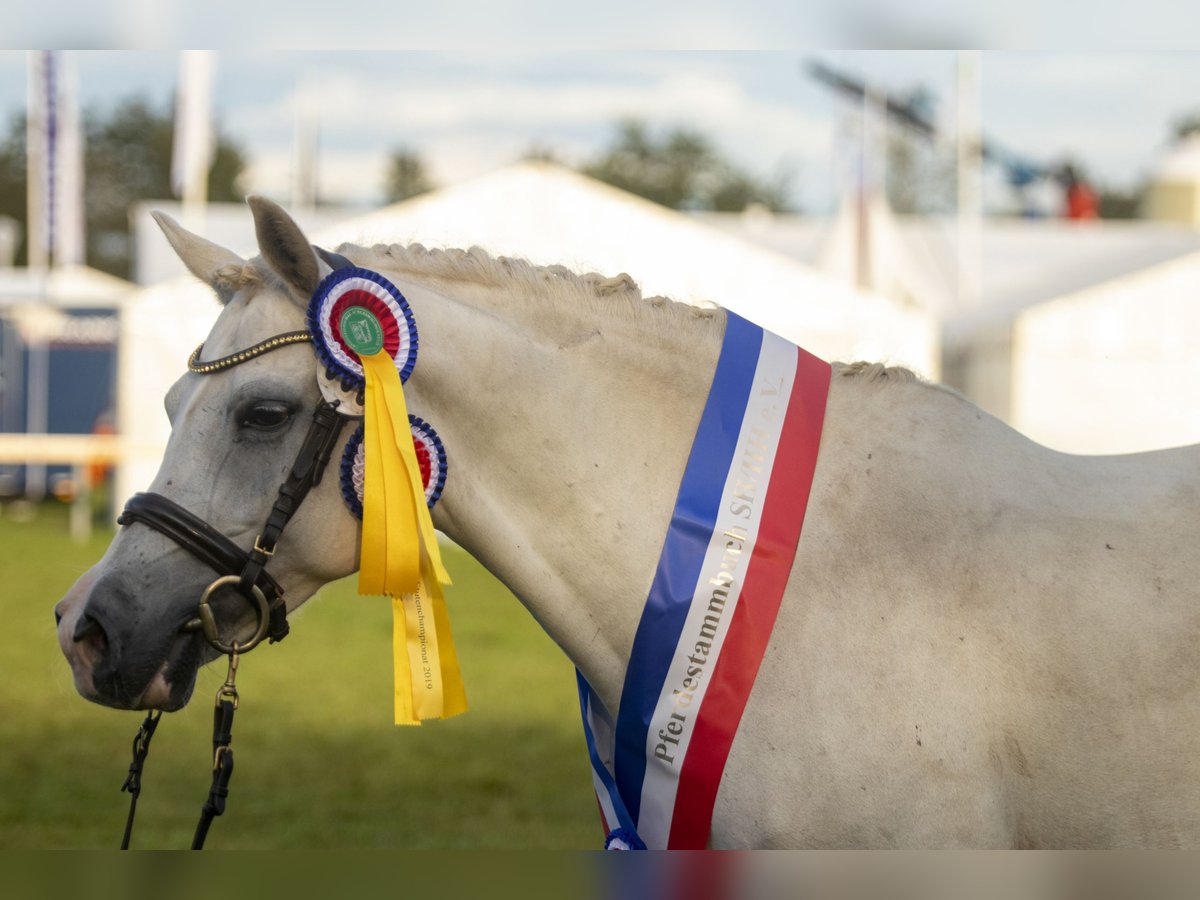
(753, 618)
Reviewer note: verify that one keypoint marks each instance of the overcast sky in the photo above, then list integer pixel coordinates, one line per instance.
(466, 113)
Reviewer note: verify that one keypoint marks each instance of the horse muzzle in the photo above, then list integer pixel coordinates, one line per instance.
(124, 655)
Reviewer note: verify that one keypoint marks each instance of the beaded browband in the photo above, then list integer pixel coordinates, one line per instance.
(225, 362)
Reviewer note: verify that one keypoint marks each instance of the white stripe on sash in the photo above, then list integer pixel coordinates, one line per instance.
(604, 737)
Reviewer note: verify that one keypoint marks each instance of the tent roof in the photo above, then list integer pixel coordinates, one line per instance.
(548, 214)
(1022, 262)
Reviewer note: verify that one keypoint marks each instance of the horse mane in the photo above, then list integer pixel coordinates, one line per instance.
(477, 266)
(870, 372)
(228, 280)
(875, 373)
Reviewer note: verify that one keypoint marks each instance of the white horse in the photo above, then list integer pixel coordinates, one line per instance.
(983, 642)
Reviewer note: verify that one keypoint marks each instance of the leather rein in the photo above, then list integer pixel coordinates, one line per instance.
(241, 571)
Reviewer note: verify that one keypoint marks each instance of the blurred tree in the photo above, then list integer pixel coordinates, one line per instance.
(1116, 203)
(682, 170)
(12, 178)
(127, 157)
(1184, 125)
(920, 177)
(540, 152)
(406, 176)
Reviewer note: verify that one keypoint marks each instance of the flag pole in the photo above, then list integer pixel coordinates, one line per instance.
(192, 152)
(37, 131)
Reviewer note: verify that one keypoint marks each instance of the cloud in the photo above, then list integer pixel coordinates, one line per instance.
(1111, 111)
(448, 24)
(1087, 73)
(464, 126)
(361, 102)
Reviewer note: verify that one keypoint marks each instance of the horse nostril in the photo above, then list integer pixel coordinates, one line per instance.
(57, 617)
(89, 630)
(86, 627)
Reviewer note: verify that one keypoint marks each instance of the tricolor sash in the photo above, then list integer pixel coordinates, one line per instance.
(715, 595)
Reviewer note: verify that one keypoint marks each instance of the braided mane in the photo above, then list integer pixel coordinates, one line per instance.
(554, 282)
(477, 266)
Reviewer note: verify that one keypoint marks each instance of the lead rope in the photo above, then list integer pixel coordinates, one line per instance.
(133, 781)
(223, 709)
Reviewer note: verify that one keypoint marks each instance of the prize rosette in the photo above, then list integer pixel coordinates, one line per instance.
(366, 343)
(356, 311)
(431, 457)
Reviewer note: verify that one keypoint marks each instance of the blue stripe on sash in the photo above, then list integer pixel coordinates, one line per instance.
(683, 552)
(586, 698)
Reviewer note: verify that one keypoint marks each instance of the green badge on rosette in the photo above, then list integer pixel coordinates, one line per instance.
(361, 331)
(356, 313)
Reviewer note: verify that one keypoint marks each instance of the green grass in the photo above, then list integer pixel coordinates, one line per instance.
(319, 763)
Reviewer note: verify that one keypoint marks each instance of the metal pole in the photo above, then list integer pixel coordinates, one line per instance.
(81, 505)
(37, 173)
(970, 162)
(37, 411)
(12, 387)
(192, 152)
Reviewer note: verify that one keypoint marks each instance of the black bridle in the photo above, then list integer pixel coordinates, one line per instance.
(239, 570)
(244, 570)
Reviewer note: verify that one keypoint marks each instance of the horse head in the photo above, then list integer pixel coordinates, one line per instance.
(235, 432)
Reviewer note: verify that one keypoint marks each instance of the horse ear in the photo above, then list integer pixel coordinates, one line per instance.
(211, 263)
(286, 249)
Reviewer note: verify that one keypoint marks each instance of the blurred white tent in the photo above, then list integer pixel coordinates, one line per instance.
(160, 325)
(1002, 355)
(1174, 191)
(1082, 335)
(1115, 367)
(548, 214)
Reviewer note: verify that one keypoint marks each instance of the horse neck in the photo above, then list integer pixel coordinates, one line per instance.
(567, 426)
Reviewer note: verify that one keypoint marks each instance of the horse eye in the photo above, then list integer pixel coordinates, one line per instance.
(265, 416)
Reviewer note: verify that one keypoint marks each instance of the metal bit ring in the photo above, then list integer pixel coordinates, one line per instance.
(208, 620)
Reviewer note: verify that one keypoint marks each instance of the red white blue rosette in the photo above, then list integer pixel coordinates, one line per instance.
(351, 287)
(431, 457)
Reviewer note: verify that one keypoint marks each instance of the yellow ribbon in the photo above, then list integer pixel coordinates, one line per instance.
(400, 556)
